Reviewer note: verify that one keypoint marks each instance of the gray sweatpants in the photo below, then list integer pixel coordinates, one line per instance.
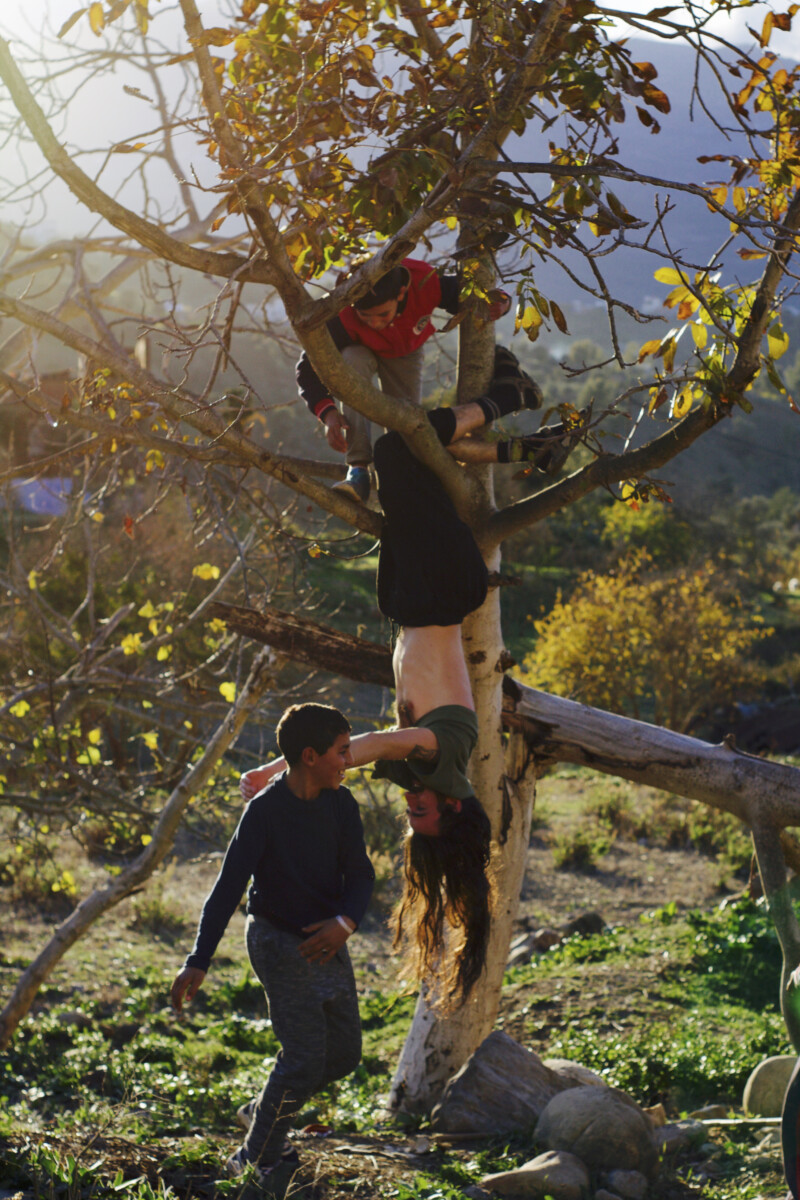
(314, 1013)
(399, 377)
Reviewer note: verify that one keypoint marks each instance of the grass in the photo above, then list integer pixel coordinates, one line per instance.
(122, 1066)
(105, 1092)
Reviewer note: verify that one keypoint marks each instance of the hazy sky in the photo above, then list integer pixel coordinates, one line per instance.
(103, 114)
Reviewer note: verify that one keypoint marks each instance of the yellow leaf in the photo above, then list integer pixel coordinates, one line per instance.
(146, 839)
(699, 333)
(648, 348)
(777, 340)
(682, 402)
(32, 577)
(163, 653)
(451, 222)
(150, 739)
(739, 198)
(147, 610)
(668, 275)
(20, 708)
(97, 18)
(98, 518)
(228, 691)
(206, 571)
(131, 644)
(94, 736)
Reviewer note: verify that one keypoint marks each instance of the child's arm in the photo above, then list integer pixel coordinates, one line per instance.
(253, 782)
(394, 743)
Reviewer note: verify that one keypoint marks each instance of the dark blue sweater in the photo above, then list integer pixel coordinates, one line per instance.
(307, 861)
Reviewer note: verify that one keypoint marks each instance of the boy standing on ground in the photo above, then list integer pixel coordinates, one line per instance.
(382, 334)
(302, 843)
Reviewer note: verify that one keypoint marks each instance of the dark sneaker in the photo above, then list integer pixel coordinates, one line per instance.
(550, 447)
(264, 1178)
(244, 1117)
(509, 383)
(356, 484)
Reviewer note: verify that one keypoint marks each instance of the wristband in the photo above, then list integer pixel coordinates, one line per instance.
(344, 924)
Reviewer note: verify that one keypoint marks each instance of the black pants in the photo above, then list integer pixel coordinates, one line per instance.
(430, 571)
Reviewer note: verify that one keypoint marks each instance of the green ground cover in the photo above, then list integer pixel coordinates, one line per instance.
(106, 1092)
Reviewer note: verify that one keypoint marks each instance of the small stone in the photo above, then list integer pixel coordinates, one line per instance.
(545, 938)
(473, 1192)
(630, 1185)
(679, 1135)
(584, 925)
(709, 1111)
(656, 1115)
(574, 1074)
(766, 1087)
(707, 1149)
(557, 1174)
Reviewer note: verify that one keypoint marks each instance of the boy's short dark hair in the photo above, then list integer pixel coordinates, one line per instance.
(314, 725)
(388, 287)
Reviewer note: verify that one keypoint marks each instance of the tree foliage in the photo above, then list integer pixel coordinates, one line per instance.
(666, 646)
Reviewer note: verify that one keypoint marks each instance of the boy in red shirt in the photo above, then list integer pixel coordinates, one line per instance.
(382, 334)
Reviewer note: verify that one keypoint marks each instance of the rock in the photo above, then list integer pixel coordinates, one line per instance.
(584, 925)
(501, 1088)
(602, 1126)
(556, 1174)
(657, 1115)
(574, 1074)
(545, 938)
(766, 1087)
(521, 950)
(630, 1185)
(473, 1192)
(709, 1111)
(679, 1135)
(602, 1194)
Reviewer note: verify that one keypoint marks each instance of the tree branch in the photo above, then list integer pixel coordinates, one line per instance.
(95, 199)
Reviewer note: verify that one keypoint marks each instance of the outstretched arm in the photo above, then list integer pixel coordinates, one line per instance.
(394, 743)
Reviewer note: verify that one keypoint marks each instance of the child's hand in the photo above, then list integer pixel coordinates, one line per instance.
(336, 430)
(252, 782)
(186, 986)
(327, 937)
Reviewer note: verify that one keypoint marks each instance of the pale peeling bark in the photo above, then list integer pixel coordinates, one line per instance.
(120, 886)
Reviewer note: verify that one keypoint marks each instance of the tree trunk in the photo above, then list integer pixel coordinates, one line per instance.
(545, 730)
(87, 912)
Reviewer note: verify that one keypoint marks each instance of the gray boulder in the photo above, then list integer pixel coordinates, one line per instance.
(602, 1126)
(766, 1087)
(501, 1088)
(556, 1174)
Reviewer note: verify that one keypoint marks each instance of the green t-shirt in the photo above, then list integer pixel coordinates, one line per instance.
(456, 729)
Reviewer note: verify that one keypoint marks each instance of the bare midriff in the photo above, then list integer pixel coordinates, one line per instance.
(430, 670)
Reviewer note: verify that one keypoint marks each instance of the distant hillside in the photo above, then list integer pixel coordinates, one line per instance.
(686, 133)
